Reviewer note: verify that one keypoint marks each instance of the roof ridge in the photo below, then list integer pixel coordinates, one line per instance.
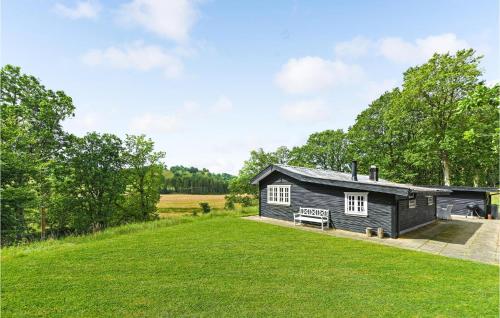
(318, 169)
(382, 182)
(343, 178)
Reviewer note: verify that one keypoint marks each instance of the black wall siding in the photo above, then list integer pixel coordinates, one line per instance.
(381, 206)
(422, 213)
(460, 201)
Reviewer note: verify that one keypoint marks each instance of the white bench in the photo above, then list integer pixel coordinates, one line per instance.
(312, 215)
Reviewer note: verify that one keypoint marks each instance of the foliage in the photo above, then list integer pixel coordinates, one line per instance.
(154, 269)
(144, 171)
(430, 100)
(244, 200)
(179, 179)
(480, 133)
(325, 150)
(31, 138)
(229, 202)
(371, 142)
(97, 181)
(57, 183)
(205, 207)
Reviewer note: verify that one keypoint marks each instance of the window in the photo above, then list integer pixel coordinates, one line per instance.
(278, 194)
(412, 203)
(356, 203)
(430, 200)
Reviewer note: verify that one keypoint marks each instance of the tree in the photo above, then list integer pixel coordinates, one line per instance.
(31, 137)
(259, 160)
(478, 151)
(181, 179)
(376, 138)
(97, 180)
(326, 150)
(431, 93)
(368, 142)
(144, 170)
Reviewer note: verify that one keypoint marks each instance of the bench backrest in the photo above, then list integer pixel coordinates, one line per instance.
(314, 212)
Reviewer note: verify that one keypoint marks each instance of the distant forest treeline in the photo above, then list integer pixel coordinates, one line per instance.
(190, 180)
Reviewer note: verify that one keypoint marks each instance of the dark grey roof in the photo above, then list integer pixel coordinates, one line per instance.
(341, 179)
(467, 188)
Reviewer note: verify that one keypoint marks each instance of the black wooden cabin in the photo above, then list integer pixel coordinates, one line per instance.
(354, 201)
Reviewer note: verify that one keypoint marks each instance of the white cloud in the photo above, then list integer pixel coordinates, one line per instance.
(400, 51)
(172, 19)
(356, 47)
(222, 105)
(190, 107)
(149, 123)
(82, 9)
(136, 57)
(305, 111)
(312, 74)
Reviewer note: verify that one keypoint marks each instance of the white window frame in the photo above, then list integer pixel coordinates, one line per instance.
(430, 200)
(279, 194)
(412, 203)
(356, 203)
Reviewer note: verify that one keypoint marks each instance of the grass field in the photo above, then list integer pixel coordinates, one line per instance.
(187, 203)
(226, 266)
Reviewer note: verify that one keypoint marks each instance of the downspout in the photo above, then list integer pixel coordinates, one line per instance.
(396, 219)
(260, 198)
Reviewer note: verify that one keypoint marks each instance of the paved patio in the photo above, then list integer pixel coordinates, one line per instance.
(473, 239)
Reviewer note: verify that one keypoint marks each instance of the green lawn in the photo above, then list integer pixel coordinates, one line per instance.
(227, 266)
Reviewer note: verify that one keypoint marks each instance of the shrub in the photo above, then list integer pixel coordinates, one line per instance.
(229, 205)
(195, 212)
(246, 201)
(205, 207)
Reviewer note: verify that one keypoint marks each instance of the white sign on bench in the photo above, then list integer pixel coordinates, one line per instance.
(312, 215)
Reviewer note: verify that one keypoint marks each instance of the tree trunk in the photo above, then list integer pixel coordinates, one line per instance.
(446, 169)
(20, 223)
(144, 211)
(42, 222)
(475, 180)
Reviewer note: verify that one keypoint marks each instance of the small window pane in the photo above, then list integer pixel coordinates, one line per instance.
(412, 204)
(430, 200)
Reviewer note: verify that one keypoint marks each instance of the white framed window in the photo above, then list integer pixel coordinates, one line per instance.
(356, 203)
(278, 194)
(412, 204)
(430, 200)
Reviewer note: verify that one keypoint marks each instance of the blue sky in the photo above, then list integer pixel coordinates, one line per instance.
(210, 80)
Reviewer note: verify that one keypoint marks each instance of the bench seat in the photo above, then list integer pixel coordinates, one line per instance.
(308, 219)
(313, 215)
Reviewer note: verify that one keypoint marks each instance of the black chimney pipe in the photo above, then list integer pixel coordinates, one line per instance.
(354, 170)
(374, 173)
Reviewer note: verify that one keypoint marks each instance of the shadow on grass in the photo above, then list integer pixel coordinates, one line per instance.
(454, 232)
